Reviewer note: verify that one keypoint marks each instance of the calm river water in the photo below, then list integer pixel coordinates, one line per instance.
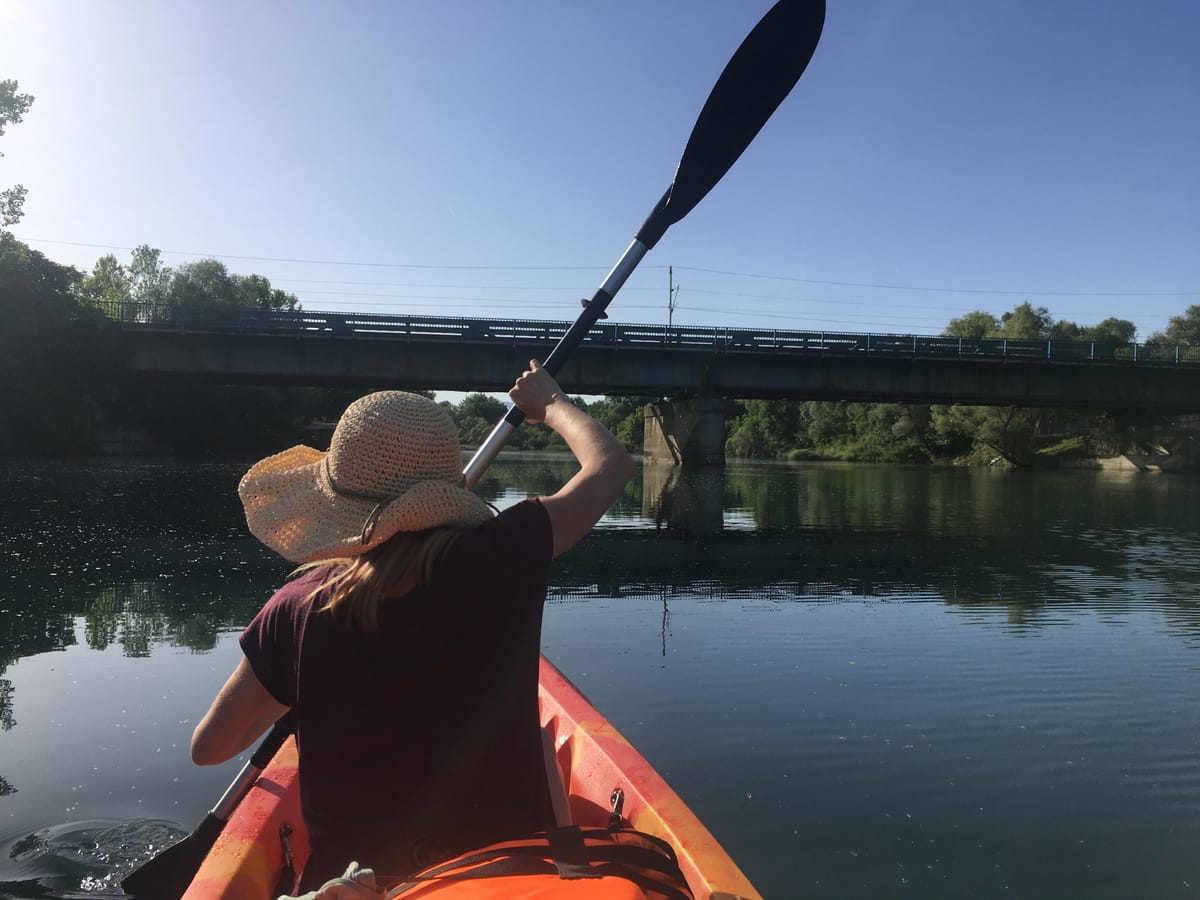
(868, 681)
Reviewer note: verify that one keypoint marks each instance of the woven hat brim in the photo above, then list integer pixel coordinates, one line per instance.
(293, 509)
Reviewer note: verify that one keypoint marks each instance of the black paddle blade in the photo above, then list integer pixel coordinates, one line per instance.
(167, 876)
(761, 73)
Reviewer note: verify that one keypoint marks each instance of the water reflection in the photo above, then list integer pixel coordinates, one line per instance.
(686, 500)
(158, 555)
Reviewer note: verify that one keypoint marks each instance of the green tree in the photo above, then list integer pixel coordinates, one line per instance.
(1027, 323)
(1008, 431)
(203, 284)
(255, 292)
(826, 423)
(108, 285)
(1062, 330)
(149, 280)
(975, 324)
(1112, 331)
(481, 406)
(1183, 329)
(208, 284)
(877, 432)
(948, 436)
(913, 425)
(766, 429)
(623, 416)
(13, 107)
(475, 416)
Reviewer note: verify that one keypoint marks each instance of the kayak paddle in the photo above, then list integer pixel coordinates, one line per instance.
(759, 75)
(167, 875)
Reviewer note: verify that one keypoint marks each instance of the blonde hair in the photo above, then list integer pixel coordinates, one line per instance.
(358, 585)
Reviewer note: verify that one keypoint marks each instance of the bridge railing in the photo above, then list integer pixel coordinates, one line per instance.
(712, 338)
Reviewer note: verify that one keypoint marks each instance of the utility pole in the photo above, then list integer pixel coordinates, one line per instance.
(672, 293)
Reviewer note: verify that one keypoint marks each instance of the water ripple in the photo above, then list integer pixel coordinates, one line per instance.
(79, 859)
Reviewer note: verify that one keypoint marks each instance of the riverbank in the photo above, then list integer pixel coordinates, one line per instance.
(1169, 447)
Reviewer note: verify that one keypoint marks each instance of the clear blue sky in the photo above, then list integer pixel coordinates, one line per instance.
(471, 157)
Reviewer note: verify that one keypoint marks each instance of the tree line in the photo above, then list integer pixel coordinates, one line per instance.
(891, 432)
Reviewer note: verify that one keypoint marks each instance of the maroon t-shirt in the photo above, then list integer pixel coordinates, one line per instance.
(423, 740)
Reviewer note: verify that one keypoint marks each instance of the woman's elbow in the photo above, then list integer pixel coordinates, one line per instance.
(626, 466)
(204, 750)
(630, 463)
(615, 472)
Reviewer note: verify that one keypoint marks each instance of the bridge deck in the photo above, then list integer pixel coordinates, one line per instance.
(443, 353)
(489, 330)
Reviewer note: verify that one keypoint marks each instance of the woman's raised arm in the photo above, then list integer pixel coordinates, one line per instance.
(605, 465)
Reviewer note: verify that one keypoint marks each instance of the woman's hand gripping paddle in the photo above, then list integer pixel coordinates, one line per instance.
(760, 74)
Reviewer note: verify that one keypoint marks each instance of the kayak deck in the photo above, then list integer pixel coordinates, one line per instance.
(593, 758)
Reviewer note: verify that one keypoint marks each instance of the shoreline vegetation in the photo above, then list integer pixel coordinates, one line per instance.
(63, 392)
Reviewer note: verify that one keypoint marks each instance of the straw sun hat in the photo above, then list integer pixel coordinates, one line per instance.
(394, 464)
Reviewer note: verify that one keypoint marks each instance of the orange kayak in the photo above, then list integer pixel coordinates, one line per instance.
(593, 759)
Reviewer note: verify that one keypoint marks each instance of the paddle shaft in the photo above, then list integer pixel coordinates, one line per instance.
(758, 76)
(593, 310)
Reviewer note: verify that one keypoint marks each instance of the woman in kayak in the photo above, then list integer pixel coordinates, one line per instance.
(408, 649)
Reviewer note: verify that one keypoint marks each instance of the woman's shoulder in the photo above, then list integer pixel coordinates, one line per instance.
(525, 511)
(521, 529)
(307, 579)
(524, 518)
(300, 590)
(276, 629)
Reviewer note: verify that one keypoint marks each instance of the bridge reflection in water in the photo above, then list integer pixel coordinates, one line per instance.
(796, 533)
(854, 533)
(687, 500)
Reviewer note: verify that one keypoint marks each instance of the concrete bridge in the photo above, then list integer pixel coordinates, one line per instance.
(691, 370)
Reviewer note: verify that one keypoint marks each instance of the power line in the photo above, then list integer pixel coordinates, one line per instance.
(464, 287)
(459, 301)
(839, 302)
(788, 278)
(330, 262)
(947, 290)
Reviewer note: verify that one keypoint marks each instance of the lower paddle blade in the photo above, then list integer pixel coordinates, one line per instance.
(760, 74)
(167, 875)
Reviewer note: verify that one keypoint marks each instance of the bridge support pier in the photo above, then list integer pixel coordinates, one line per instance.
(685, 432)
